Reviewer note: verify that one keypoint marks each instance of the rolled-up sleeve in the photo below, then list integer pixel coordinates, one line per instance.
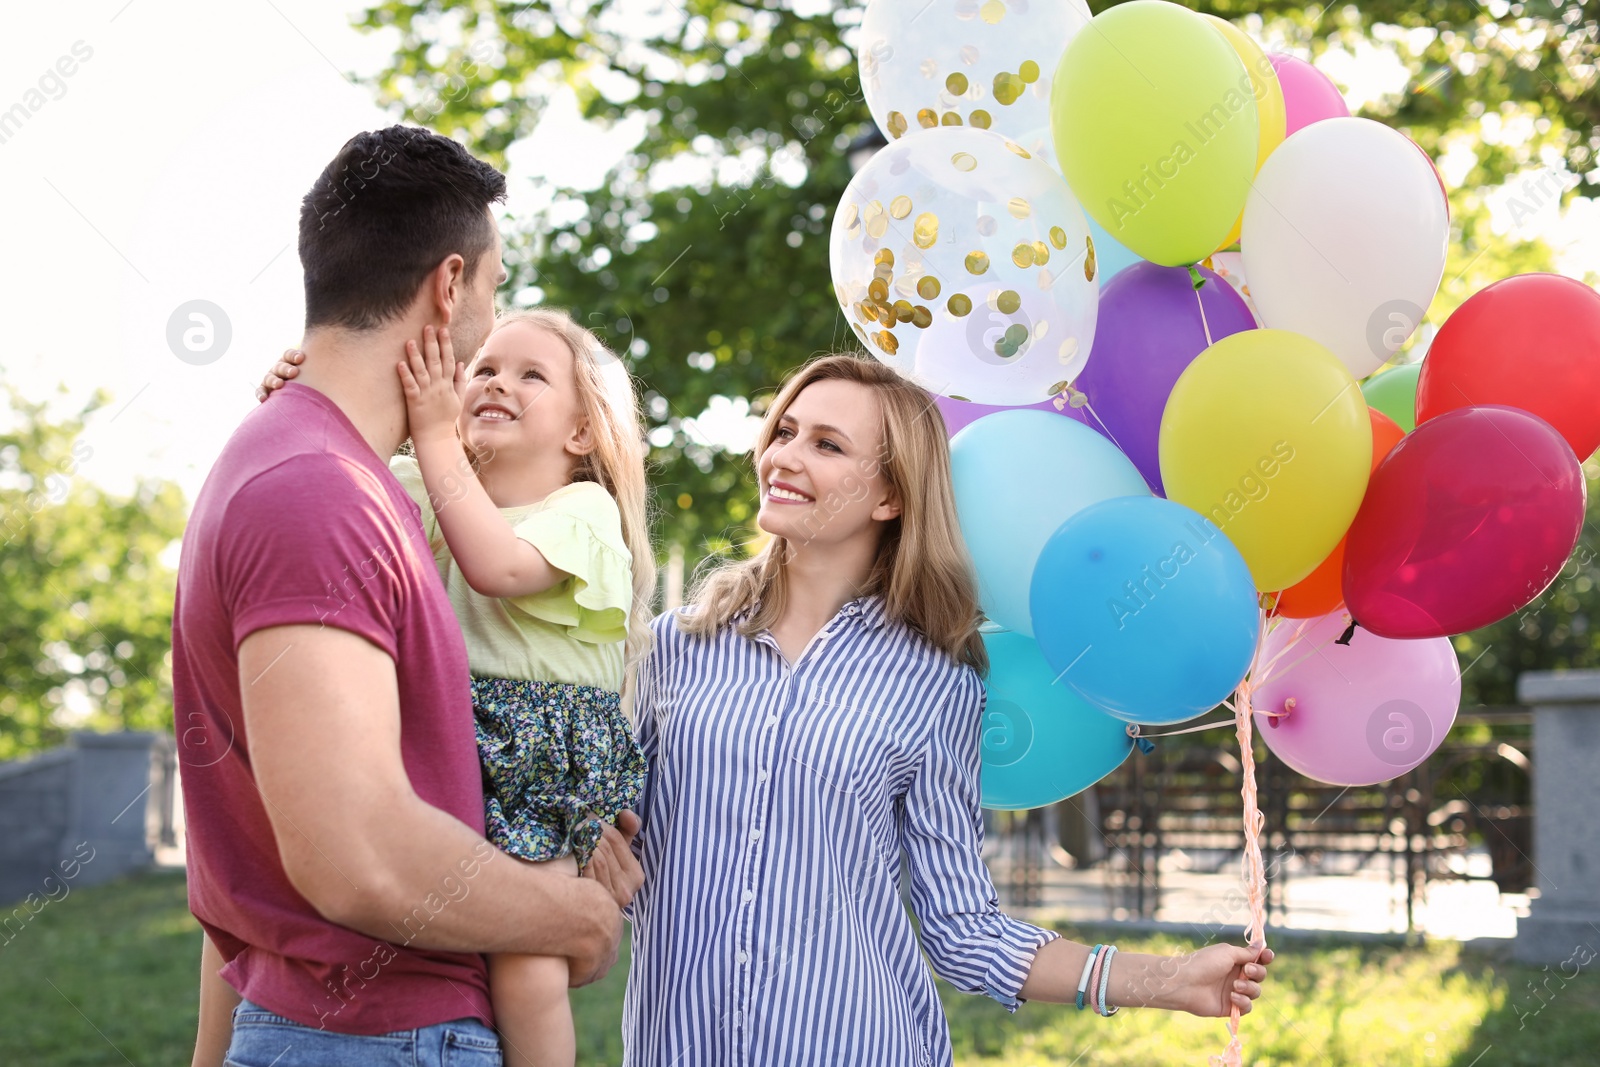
(971, 943)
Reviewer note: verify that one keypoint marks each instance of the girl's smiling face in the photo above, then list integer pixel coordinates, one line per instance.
(521, 396)
(822, 474)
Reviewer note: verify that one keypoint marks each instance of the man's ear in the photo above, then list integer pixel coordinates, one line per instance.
(447, 286)
(582, 441)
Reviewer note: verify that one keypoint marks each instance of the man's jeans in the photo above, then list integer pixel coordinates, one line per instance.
(262, 1039)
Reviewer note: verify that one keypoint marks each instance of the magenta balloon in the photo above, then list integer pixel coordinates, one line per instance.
(1308, 94)
(1149, 329)
(1364, 712)
(1465, 521)
(959, 414)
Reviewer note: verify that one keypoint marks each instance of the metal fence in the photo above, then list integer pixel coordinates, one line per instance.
(1184, 795)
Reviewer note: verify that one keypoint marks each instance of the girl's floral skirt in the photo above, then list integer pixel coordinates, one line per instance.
(559, 761)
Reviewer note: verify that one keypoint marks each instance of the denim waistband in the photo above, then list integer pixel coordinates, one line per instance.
(262, 1038)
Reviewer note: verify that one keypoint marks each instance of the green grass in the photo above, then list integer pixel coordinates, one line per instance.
(121, 959)
(107, 976)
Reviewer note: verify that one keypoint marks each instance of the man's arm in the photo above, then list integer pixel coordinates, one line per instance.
(322, 717)
(217, 1001)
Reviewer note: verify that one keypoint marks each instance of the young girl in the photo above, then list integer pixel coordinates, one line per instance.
(547, 560)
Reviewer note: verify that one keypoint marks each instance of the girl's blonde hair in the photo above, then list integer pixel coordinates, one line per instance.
(922, 570)
(616, 462)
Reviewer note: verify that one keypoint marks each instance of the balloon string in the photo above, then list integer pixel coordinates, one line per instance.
(1254, 871)
(1136, 732)
(1072, 394)
(1103, 426)
(1262, 671)
(1303, 633)
(1204, 325)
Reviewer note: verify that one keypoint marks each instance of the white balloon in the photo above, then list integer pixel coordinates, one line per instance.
(986, 63)
(1344, 239)
(965, 263)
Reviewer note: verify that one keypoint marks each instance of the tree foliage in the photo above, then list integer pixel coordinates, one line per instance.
(85, 635)
(704, 253)
(1555, 631)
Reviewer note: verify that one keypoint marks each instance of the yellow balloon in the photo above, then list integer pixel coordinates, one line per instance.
(1269, 100)
(1267, 435)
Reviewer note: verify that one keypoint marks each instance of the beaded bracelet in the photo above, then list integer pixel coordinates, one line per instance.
(1083, 979)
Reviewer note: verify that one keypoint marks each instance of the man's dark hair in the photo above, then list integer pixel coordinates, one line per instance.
(390, 206)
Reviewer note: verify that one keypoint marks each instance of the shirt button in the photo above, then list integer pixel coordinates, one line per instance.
(772, 720)
(743, 959)
(755, 835)
(749, 895)
(761, 775)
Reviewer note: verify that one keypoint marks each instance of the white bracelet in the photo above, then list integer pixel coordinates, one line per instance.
(1105, 980)
(1083, 979)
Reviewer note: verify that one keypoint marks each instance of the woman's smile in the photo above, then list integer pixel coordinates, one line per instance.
(783, 493)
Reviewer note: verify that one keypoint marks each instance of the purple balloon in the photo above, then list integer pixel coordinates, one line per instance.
(959, 414)
(1149, 330)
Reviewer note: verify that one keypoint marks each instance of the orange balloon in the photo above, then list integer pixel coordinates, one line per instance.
(1320, 592)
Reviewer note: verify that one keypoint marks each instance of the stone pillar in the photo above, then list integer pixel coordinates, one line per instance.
(108, 802)
(1563, 920)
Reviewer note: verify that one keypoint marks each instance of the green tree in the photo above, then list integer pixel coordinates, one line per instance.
(718, 284)
(85, 638)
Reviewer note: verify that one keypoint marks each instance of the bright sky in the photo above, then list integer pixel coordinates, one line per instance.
(168, 167)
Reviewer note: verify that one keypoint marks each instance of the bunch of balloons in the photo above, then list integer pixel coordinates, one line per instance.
(1145, 267)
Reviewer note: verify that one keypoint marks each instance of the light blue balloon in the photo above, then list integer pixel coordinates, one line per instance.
(1146, 609)
(1109, 255)
(1018, 476)
(1041, 742)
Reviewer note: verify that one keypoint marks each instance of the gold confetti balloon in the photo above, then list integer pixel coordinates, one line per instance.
(983, 63)
(963, 260)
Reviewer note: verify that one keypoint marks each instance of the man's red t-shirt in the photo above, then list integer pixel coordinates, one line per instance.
(300, 522)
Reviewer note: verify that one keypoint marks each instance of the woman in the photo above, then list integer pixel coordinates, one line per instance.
(812, 715)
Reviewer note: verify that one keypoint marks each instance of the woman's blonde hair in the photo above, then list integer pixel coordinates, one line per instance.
(616, 462)
(922, 570)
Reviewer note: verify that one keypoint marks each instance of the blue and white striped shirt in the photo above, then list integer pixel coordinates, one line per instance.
(770, 928)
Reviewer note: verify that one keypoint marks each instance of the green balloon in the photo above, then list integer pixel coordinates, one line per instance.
(1156, 129)
(1394, 392)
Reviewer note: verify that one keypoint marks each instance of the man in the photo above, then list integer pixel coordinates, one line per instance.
(331, 781)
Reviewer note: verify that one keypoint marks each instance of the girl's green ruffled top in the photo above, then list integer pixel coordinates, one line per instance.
(572, 632)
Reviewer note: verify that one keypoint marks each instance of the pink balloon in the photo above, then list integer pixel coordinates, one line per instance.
(1364, 712)
(1308, 94)
(958, 414)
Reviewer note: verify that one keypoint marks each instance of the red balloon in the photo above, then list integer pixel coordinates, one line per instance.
(1466, 521)
(1531, 341)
